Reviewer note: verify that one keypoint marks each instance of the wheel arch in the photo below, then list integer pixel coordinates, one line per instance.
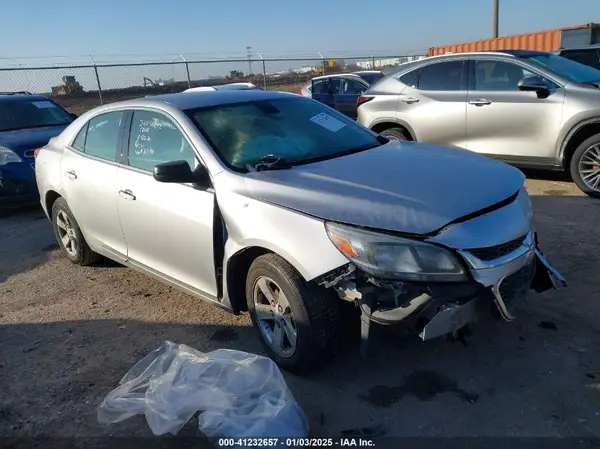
(389, 123)
(49, 199)
(575, 137)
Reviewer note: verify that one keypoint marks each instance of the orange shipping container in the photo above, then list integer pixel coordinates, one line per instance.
(550, 40)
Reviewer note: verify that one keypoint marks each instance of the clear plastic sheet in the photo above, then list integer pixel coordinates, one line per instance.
(238, 394)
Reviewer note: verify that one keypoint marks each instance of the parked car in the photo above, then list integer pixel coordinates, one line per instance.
(370, 76)
(27, 122)
(228, 86)
(339, 91)
(589, 55)
(276, 204)
(527, 108)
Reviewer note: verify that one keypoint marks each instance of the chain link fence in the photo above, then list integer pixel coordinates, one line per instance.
(79, 88)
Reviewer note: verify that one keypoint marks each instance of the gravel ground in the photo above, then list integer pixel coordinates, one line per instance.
(68, 334)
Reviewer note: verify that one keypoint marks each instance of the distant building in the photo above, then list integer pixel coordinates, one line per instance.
(367, 64)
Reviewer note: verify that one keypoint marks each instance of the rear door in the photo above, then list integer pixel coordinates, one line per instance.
(434, 102)
(89, 172)
(168, 227)
(349, 89)
(323, 90)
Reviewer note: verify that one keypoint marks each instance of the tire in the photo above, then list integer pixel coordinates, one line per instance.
(394, 134)
(76, 249)
(314, 315)
(584, 152)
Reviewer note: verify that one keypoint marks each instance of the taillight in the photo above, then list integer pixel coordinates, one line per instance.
(36, 152)
(363, 100)
(300, 91)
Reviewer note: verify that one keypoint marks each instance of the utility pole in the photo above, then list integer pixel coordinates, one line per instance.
(249, 53)
(495, 19)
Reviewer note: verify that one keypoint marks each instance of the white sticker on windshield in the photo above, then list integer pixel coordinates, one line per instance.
(43, 104)
(328, 122)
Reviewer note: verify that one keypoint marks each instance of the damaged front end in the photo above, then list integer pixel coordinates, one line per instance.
(498, 278)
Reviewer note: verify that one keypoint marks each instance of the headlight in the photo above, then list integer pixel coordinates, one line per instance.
(7, 156)
(393, 257)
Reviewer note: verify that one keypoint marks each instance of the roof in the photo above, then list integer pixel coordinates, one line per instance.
(337, 75)
(192, 100)
(367, 71)
(513, 53)
(18, 96)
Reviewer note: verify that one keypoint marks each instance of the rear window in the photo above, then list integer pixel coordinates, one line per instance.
(297, 130)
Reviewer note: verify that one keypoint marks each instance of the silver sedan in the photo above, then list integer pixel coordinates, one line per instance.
(278, 205)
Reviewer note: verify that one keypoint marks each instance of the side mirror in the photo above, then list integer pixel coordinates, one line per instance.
(180, 172)
(535, 84)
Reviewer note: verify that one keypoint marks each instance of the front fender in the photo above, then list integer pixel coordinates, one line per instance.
(298, 238)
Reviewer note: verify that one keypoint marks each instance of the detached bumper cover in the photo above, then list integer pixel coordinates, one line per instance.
(448, 308)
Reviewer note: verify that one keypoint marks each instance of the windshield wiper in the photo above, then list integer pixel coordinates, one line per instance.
(268, 162)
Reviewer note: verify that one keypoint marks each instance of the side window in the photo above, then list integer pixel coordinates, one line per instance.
(441, 76)
(102, 135)
(589, 57)
(79, 142)
(352, 87)
(498, 75)
(410, 78)
(155, 139)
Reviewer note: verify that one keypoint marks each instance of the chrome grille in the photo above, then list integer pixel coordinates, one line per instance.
(493, 252)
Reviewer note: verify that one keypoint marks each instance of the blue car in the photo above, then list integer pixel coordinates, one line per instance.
(27, 122)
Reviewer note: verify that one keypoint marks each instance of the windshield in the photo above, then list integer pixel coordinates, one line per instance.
(571, 70)
(297, 130)
(20, 114)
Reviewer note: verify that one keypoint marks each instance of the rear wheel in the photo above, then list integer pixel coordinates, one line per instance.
(298, 325)
(69, 236)
(394, 134)
(585, 166)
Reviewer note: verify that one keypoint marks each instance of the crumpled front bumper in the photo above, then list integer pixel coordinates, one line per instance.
(506, 293)
(440, 309)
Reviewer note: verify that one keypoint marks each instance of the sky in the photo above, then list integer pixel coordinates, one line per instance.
(49, 32)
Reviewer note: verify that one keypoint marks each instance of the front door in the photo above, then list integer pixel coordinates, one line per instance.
(89, 173)
(506, 122)
(168, 227)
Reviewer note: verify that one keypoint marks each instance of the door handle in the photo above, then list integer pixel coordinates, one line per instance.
(480, 102)
(410, 100)
(127, 194)
(71, 175)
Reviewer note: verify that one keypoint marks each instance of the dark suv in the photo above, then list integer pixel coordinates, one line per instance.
(589, 55)
(27, 122)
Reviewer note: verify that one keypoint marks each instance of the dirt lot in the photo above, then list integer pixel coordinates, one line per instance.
(68, 334)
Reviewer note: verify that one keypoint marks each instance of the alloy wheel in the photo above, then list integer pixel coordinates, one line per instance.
(589, 167)
(274, 316)
(66, 233)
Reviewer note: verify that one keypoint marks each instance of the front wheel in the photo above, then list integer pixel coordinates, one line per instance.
(585, 166)
(297, 324)
(394, 134)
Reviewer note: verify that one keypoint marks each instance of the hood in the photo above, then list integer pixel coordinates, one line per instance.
(30, 138)
(405, 187)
